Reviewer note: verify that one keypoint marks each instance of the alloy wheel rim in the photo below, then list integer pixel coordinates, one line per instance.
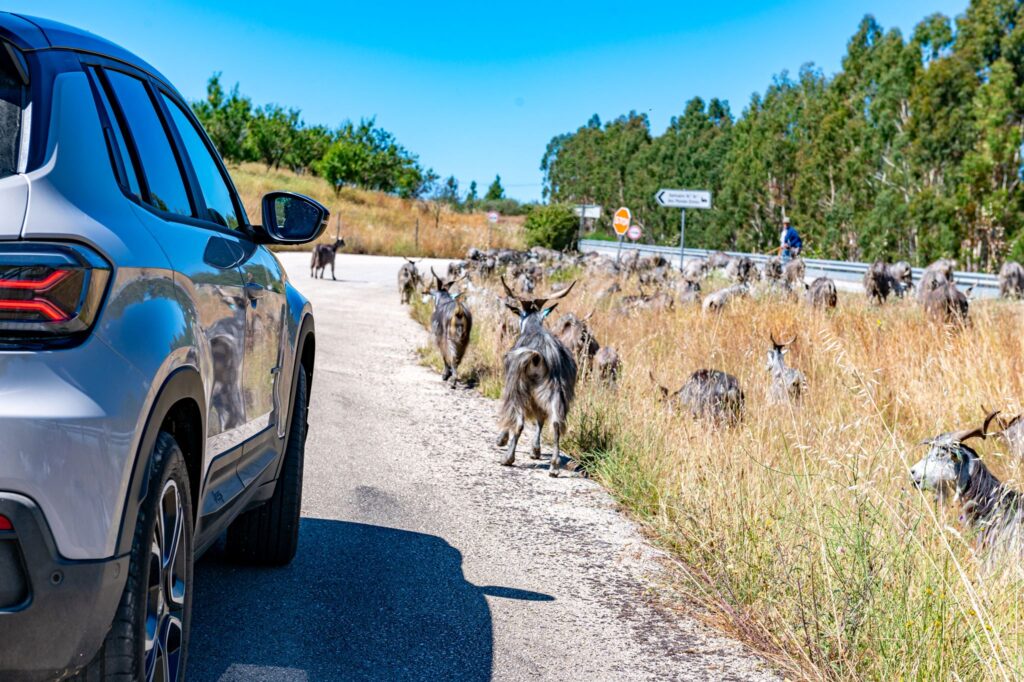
(165, 589)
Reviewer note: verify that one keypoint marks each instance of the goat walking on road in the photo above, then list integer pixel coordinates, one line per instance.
(450, 326)
(409, 280)
(324, 255)
(540, 378)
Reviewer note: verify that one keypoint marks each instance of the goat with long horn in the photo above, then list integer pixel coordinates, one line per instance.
(540, 378)
(450, 326)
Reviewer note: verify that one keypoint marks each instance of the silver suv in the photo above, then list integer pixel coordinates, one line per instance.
(155, 361)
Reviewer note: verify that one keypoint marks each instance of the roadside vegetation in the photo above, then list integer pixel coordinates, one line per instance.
(911, 151)
(378, 222)
(798, 530)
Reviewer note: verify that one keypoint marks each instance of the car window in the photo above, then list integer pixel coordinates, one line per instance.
(159, 165)
(218, 196)
(12, 104)
(124, 167)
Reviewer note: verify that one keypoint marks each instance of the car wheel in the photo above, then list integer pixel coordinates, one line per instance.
(269, 534)
(148, 639)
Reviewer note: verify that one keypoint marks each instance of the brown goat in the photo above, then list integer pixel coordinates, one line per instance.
(946, 304)
(324, 255)
(822, 293)
(450, 326)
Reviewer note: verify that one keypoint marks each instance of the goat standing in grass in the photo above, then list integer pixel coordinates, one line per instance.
(540, 378)
(741, 269)
(450, 326)
(822, 293)
(708, 393)
(1011, 280)
(772, 271)
(946, 304)
(989, 507)
(902, 276)
(794, 273)
(717, 301)
(575, 335)
(690, 292)
(409, 280)
(788, 384)
(695, 270)
(607, 365)
(934, 276)
(878, 282)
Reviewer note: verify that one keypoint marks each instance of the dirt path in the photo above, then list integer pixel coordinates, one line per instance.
(422, 558)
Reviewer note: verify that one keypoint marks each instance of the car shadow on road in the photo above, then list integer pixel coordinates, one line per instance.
(359, 602)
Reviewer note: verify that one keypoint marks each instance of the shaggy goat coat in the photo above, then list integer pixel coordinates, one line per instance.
(450, 326)
(540, 379)
(409, 280)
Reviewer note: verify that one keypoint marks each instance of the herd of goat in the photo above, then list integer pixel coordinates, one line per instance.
(543, 364)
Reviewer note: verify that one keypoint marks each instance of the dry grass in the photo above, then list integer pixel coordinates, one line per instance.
(798, 530)
(378, 223)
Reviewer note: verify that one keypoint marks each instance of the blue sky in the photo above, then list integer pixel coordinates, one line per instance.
(480, 88)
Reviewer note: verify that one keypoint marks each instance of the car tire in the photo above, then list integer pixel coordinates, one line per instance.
(150, 633)
(269, 534)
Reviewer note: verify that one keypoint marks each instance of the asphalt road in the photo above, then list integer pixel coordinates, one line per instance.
(420, 558)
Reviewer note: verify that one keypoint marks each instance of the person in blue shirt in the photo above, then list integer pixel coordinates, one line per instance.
(791, 242)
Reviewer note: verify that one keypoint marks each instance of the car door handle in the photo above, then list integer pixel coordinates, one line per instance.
(254, 290)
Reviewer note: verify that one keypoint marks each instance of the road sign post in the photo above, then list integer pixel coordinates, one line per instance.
(621, 223)
(492, 218)
(584, 211)
(683, 199)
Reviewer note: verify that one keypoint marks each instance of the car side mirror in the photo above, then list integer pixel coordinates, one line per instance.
(290, 218)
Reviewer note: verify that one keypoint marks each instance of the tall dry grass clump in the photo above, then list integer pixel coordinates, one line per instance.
(799, 529)
(379, 223)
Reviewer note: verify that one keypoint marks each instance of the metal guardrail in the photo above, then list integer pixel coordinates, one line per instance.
(985, 285)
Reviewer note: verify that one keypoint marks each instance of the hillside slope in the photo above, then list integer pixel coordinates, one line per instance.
(378, 223)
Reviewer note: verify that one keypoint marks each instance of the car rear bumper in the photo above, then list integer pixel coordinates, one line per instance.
(70, 423)
(54, 613)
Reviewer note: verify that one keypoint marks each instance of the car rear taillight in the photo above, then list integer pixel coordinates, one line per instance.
(5, 523)
(49, 293)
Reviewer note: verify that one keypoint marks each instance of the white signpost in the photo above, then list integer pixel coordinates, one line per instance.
(588, 211)
(585, 211)
(683, 199)
(492, 219)
(635, 232)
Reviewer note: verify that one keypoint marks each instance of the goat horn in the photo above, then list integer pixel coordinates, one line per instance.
(771, 335)
(967, 434)
(563, 293)
(988, 420)
(507, 289)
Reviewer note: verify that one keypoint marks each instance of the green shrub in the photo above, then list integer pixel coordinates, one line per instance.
(553, 226)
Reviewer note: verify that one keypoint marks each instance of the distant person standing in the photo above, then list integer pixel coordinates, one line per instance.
(791, 244)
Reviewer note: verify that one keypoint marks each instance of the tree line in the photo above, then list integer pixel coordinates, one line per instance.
(360, 154)
(912, 150)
